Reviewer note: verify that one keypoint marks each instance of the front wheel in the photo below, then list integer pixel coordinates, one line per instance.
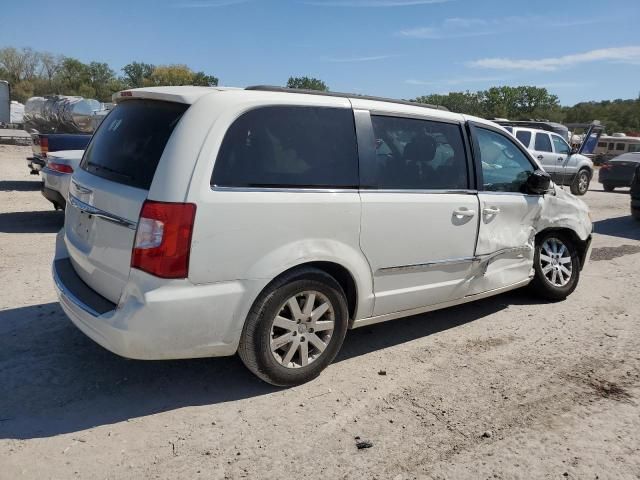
(556, 265)
(580, 185)
(295, 328)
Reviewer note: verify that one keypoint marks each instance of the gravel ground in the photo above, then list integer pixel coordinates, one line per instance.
(509, 387)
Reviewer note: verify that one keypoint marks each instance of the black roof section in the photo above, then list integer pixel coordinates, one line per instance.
(268, 88)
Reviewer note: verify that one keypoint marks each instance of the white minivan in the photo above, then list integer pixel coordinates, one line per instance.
(266, 221)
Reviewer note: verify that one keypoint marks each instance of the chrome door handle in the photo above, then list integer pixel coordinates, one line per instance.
(464, 213)
(540, 157)
(491, 211)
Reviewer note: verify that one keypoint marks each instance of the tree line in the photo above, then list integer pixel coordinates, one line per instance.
(41, 73)
(527, 102)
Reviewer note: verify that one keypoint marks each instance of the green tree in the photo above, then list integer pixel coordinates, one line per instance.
(202, 79)
(136, 73)
(307, 83)
(168, 75)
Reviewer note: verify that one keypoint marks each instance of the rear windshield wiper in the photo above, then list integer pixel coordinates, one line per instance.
(110, 170)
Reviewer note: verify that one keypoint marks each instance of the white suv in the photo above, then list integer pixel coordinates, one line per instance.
(566, 166)
(209, 221)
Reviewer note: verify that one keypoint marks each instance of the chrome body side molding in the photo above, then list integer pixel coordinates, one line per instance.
(363, 322)
(483, 260)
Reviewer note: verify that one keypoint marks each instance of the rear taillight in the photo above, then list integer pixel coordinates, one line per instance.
(163, 239)
(606, 166)
(59, 167)
(44, 146)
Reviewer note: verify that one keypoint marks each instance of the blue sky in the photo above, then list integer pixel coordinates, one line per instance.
(579, 50)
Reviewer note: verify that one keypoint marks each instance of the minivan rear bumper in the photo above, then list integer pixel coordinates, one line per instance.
(177, 320)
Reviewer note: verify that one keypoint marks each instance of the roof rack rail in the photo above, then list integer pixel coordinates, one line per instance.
(268, 88)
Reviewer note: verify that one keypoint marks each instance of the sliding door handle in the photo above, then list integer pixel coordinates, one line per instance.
(491, 211)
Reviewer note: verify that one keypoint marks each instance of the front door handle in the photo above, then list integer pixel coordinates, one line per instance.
(491, 211)
(560, 159)
(463, 212)
(540, 157)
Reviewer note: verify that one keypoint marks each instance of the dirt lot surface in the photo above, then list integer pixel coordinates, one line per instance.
(508, 387)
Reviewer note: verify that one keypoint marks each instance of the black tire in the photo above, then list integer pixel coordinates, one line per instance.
(580, 184)
(607, 187)
(541, 285)
(255, 342)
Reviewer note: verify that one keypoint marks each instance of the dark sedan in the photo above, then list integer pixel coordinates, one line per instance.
(635, 194)
(618, 172)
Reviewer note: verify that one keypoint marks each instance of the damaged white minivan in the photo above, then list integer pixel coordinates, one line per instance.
(268, 222)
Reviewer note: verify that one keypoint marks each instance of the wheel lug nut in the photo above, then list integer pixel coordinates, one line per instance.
(302, 339)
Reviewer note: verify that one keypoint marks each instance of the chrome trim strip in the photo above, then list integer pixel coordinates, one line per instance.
(461, 191)
(425, 266)
(66, 293)
(80, 188)
(363, 322)
(217, 188)
(478, 259)
(96, 212)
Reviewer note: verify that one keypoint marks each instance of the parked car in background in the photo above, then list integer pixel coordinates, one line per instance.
(635, 194)
(269, 221)
(43, 144)
(619, 171)
(56, 176)
(566, 166)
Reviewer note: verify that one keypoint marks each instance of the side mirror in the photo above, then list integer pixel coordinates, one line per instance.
(538, 182)
(574, 150)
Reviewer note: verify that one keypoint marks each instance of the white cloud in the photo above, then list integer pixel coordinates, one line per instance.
(629, 54)
(474, 27)
(371, 58)
(209, 4)
(372, 3)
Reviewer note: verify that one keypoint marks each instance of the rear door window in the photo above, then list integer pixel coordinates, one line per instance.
(128, 145)
(524, 136)
(282, 146)
(417, 154)
(543, 143)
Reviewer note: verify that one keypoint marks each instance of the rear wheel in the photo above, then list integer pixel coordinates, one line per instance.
(556, 265)
(580, 184)
(607, 187)
(295, 328)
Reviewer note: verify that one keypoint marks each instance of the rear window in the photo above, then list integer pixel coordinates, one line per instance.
(524, 137)
(128, 145)
(283, 146)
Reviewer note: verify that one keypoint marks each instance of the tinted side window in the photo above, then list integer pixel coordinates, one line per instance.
(284, 146)
(128, 144)
(524, 137)
(504, 167)
(560, 145)
(417, 154)
(619, 146)
(543, 144)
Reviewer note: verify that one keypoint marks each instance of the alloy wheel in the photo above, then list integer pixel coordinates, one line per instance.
(555, 262)
(302, 329)
(583, 182)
